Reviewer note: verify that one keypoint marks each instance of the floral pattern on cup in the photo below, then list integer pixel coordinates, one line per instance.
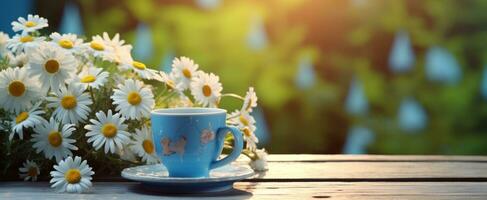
(207, 136)
(178, 147)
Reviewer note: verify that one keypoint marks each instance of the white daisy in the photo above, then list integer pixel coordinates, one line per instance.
(31, 24)
(246, 123)
(100, 48)
(118, 78)
(26, 119)
(92, 77)
(4, 38)
(22, 43)
(241, 119)
(17, 89)
(71, 103)
(71, 175)
(127, 154)
(120, 49)
(68, 41)
(54, 142)
(181, 101)
(108, 130)
(54, 66)
(18, 60)
(250, 139)
(133, 99)
(260, 162)
(184, 69)
(140, 69)
(206, 89)
(250, 100)
(143, 145)
(29, 170)
(167, 79)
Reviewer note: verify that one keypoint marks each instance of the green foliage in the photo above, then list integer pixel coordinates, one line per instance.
(345, 40)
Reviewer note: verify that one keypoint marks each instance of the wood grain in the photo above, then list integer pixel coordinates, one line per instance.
(379, 171)
(367, 190)
(372, 158)
(267, 190)
(315, 176)
(366, 171)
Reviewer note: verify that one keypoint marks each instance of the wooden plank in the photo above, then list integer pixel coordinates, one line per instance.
(366, 171)
(366, 190)
(374, 171)
(266, 190)
(371, 158)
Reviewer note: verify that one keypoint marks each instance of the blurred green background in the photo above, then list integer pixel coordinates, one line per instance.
(334, 76)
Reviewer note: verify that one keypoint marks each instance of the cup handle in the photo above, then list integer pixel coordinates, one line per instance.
(237, 149)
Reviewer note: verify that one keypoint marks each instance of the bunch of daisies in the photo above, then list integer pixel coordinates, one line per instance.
(67, 101)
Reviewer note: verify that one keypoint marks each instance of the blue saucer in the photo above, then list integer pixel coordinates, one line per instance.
(155, 178)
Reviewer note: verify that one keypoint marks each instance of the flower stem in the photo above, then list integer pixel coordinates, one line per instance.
(245, 152)
(92, 95)
(170, 95)
(233, 95)
(249, 154)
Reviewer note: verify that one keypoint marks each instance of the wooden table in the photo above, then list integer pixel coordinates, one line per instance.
(316, 176)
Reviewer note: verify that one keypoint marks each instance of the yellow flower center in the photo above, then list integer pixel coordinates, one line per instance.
(26, 38)
(88, 79)
(134, 98)
(52, 66)
(206, 90)
(138, 65)
(30, 24)
(97, 46)
(55, 139)
(244, 120)
(16, 88)
(186, 73)
(246, 132)
(148, 146)
(109, 130)
(69, 102)
(73, 176)
(32, 172)
(21, 117)
(170, 84)
(67, 44)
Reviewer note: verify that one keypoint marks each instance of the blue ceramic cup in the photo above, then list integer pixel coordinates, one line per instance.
(189, 140)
